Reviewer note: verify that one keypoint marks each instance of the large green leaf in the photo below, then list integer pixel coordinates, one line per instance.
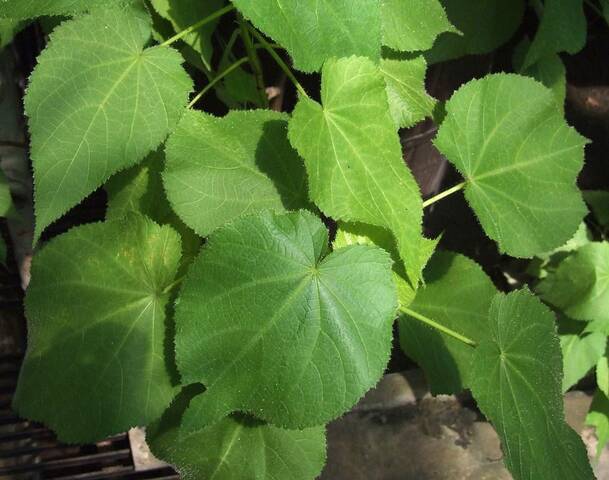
(353, 155)
(580, 285)
(313, 31)
(409, 102)
(221, 168)
(484, 26)
(457, 294)
(520, 160)
(580, 354)
(97, 335)
(563, 28)
(24, 9)
(98, 101)
(274, 326)
(516, 380)
(236, 448)
(413, 25)
(183, 13)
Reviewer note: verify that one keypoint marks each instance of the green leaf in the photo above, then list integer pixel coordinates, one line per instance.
(313, 31)
(98, 102)
(580, 285)
(602, 373)
(183, 13)
(413, 25)
(580, 354)
(236, 448)
(598, 200)
(563, 28)
(458, 295)
(516, 380)
(6, 202)
(24, 9)
(353, 156)
(218, 169)
(598, 417)
(520, 160)
(8, 29)
(409, 101)
(485, 25)
(96, 362)
(273, 326)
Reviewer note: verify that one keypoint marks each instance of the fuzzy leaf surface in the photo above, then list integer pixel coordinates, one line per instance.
(236, 448)
(96, 329)
(520, 160)
(516, 380)
(313, 31)
(273, 325)
(98, 102)
(353, 156)
(457, 294)
(24, 9)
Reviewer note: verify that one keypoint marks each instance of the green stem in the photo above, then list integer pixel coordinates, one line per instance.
(199, 24)
(444, 194)
(216, 79)
(439, 327)
(254, 60)
(173, 284)
(594, 8)
(269, 48)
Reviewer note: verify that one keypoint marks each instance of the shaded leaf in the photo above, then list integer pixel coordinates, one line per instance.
(313, 31)
(273, 325)
(6, 202)
(96, 329)
(24, 9)
(236, 448)
(520, 161)
(8, 29)
(598, 200)
(95, 82)
(457, 294)
(580, 354)
(598, 417)
(516, 380)
(353, 156)
(218, 169)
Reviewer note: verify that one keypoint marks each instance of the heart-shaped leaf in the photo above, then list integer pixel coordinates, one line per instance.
(274, 326)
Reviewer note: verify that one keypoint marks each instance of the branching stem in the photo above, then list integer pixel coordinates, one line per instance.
(216, 79)
(254, 60)
(199, 24)
(439, 327)
(444, 194)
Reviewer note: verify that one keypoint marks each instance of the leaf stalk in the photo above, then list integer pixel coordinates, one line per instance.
(254, 60)
(199, 24)
(444, 194)
(216, 79)
(437, 326)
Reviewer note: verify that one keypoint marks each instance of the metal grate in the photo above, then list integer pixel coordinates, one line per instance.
(30, 451)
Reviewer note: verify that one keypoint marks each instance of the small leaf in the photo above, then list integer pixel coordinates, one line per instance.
(563, 28)
(520, 161)
(580, 354)
(602, 373)
(483, 26)
(598, 200)
(598, 417)
(24, 9)
(457, 294)
(97, 331)
(408, 100)
(98, 102)
(353, 156)
(313, 31)
(516, 380)
(580, 285)
(218, 169)
(273, 326)
(236, 448)
(413, 25)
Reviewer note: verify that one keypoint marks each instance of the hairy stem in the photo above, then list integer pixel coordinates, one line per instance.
(199, 24)
(216, 79)
(254, 60)
(444, 194)
(437, 326)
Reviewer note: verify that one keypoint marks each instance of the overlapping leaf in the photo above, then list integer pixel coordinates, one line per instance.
(98, 102)
(236, 448)
(580, 285)
(516, 380)
(580, 354)
(413, 25)
(96, 362)
(353, 156)
(24, 9)
(457, 294)
(273, 325)
(598, 200)
(520, 160)
(221, 168)
(315, 30)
